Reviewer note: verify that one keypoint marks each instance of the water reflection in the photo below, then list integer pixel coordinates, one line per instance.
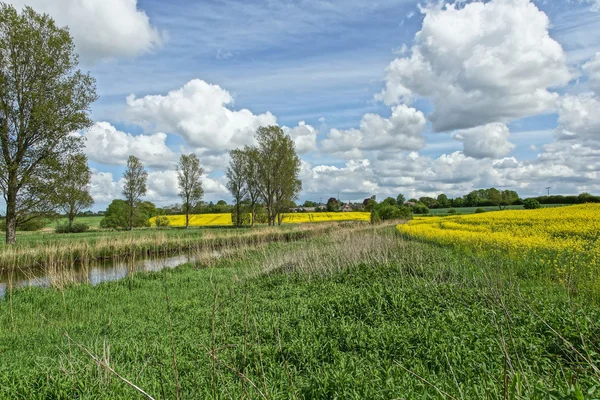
(93, 273)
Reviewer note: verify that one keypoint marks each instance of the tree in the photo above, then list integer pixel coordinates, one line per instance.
(400, 200)
(43, 99)
(189, 177)
(390, 201)
(135, 185)
(502, 198)
(117, 215)
(443, 201)
(333, 205)
(236, 182)
(73, 195)
(278, 170)
(428, 201)
(531, 204)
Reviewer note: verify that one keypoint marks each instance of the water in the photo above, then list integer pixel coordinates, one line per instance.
(94, 274)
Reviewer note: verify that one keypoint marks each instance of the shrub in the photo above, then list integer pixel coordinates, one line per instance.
(77, 227)
(452, 211)
(162, 221)
(375, 218)
(420, 208)
(531, 204)
(479, 211)
(30, 226)
(388, 212)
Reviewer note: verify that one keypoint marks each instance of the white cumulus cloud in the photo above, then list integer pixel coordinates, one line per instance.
(304, 136)
(101, 29)
(481, 63)
(592, 69)
(403, 130)
(486, 141)
(107, 145)
(199, 113)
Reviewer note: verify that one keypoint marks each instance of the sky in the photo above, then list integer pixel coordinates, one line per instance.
(381, 97)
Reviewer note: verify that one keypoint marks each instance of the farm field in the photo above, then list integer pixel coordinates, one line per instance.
(567, 240)
(199, 220)
(349, 314)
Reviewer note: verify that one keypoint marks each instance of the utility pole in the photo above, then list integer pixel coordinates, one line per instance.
(548, 189)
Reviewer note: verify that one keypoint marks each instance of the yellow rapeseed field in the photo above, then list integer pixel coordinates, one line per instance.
(291, 218)
(564, 237)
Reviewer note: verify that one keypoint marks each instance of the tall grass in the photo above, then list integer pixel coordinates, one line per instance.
(52, 255)
(361, 314)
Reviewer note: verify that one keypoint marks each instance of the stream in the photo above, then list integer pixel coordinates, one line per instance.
(94, 273)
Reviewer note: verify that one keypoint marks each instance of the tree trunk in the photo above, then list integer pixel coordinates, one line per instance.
(71, 218)
(252, 217)
(187, 218)
(131, 216)
(11, 216)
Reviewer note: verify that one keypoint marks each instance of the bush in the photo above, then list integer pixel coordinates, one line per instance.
(479, 211)
(77, 227)
(531, 204)
(388, 212)
(375, 218)
(162, 221)
(452, 211)
(30, 226)
(420, 208)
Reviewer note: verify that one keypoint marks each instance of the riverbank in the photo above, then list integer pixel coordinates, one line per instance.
(54, 251)
(363, 314)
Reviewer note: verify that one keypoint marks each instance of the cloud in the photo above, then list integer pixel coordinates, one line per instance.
(592, 69)
(199, 113)
(594, 3)
(486, 141)
(403, 130)
(352, 181)
(103, 188)
(101, 29)
(107, 145)
(481, 63)
(162, 187)
(579, 119)
(304, 136)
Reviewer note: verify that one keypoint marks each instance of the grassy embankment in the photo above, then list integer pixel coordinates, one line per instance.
(363, 314)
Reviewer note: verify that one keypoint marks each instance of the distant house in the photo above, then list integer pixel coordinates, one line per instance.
(410, 204)
(302, 209)
(346, 208)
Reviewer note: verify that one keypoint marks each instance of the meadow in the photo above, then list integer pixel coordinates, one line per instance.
(353, 313)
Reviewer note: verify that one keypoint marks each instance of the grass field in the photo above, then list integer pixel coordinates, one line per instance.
(350, 314)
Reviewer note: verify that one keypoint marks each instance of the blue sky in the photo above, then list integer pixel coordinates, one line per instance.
(328, 63)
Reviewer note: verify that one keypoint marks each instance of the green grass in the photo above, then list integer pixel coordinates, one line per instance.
(92, 222)
(340, 316)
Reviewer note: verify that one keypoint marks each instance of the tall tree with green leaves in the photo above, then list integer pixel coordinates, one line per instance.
(236, 182)
(73, 194)
(189, 176)
(43, 99)
(278, 169)
(135, 185)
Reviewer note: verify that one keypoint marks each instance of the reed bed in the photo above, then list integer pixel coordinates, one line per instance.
(67, 254)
